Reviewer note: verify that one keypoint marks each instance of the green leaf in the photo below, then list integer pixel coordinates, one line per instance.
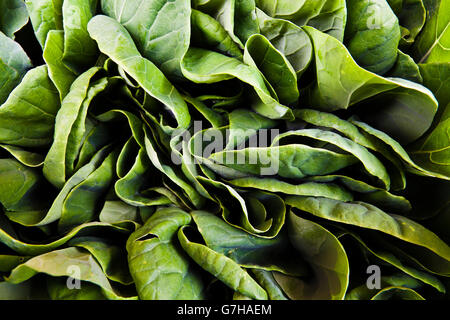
(236, 16)
(222, 267)
(351, 131)
(274, 66)
(399, 150)
(80, 51)
(131, 187)
(247, 213)
(248, 250)
(115, 211)
(208, 32)
(58, 72)
(366, 192)
(159, 180)
(36, 249)
(293, 161)
(431, 152)
(374, 20)
(171, 173)
(216, 119)
(9, 262)
(338, 89)
(160, 29)
(245, 19)
(397, 293)
(22, 188)
(433, 43)
(328, 190)
(411, 15)
(60, 263)
(434, 152)
(158, 266)
(27, 118)
(398, 259)
(436, 77)
(82, 202)
(328, 260)
(45, 15)
(367, 216)
(59, 160)
(28, 158)
(370, 162)
(14, 63)
(329, 16)
(114, 41)
(388, 283)
(406, 68)
(94, 139)
(111, 256)
(13, 16)
(58, 290)
(204, 66)
(287, 38)
(56, 210)
(268, 282)
(243, 125)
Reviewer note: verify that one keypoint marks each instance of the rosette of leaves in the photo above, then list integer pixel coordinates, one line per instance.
(223, 149)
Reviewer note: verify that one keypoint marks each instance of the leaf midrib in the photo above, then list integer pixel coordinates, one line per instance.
(427, 54)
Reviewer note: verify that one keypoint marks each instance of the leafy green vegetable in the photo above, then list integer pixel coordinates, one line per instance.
(222, 267)
(224, 149)
(274, 66)
(289, 39)
(79, 49)
(204, 66)
(28, 115)
(398, 97)
(405, 68)
(45, 15)
(326, 257)
(14, 63)
(325, 15)
(432, 43)
(411, 15)
(372, 20)
(207, 31)
(156, 261)
(60, 74)
(121, 49)
(161, 29)
(13, 16)
(58, 263)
